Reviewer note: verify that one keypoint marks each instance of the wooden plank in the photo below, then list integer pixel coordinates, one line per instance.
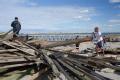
(105, 64)
(91, 74)
(8, 54)
(62, 70)
(51, 63)
(32, 47)
(20, 49)
(76, 72)
(15, 60)
(8, 50)
(18, 65)
(11, 57)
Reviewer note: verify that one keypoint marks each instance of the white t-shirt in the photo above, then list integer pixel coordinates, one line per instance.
(97, 37)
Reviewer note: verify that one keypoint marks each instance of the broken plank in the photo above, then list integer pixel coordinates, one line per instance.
(62, 70)
(76, 72)
(8, 50)
(51, 63)
(18, 65)
(20, 49)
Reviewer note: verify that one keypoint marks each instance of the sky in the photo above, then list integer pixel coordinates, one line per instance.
(61, 15)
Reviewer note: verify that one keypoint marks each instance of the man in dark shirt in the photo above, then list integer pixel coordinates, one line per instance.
(16, 27)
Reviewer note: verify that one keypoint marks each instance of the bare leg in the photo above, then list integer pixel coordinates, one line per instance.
(97, 49)
(103, 52)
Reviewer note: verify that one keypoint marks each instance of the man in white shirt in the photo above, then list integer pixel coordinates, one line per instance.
(98, 40)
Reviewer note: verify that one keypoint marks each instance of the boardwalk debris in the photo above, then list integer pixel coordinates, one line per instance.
(56, 65)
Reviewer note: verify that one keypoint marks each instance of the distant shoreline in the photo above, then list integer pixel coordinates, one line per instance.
(64, 33)
(67, 33)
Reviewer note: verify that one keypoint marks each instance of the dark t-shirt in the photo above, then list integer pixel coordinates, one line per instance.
(16, 24)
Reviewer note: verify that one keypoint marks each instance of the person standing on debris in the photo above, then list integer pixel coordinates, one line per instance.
(16, 27)
(98, 40)
(77, 44)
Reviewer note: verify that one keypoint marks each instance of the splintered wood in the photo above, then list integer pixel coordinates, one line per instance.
(16, 54)
(46, 63)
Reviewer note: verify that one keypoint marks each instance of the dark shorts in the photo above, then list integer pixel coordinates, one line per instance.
(77, 45)
(100, 44)
(16, 30)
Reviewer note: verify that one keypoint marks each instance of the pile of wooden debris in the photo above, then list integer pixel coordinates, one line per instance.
(44, 63)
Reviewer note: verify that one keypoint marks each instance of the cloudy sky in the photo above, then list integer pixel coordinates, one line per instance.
(61, 15)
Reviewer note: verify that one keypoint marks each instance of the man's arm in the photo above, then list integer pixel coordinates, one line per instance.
(93, 36)
(12, 24)
(100, 35)
(20, 24)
